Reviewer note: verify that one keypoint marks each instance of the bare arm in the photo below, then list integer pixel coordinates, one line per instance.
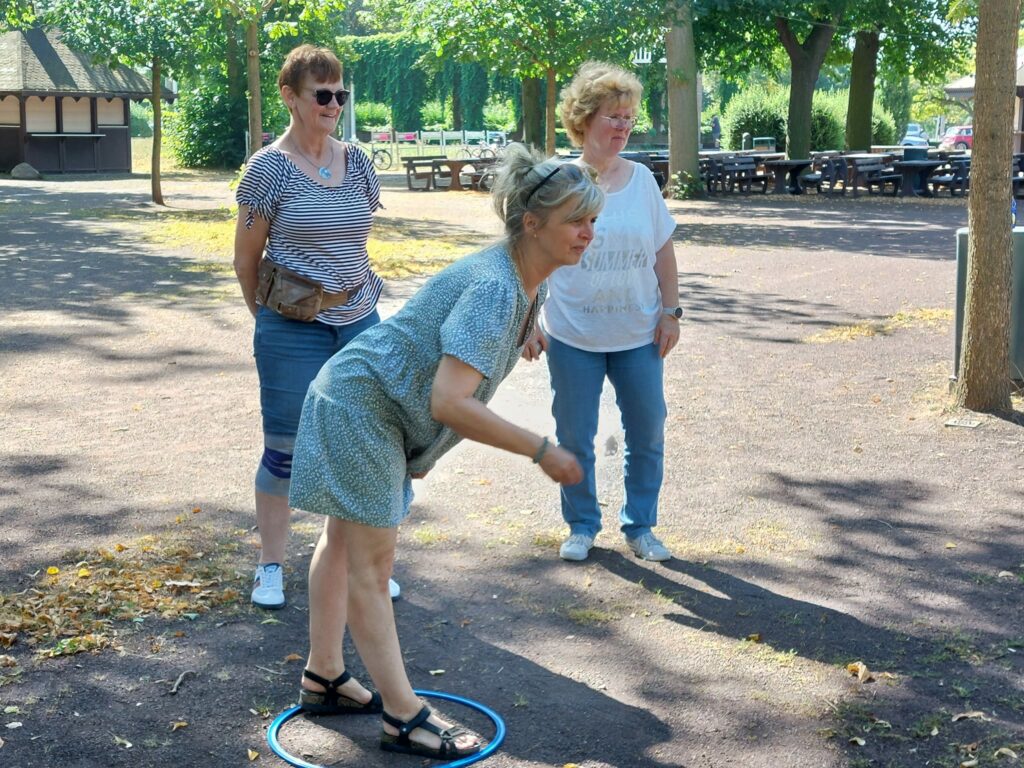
(666, 334)
(452, 403)
(249, 245)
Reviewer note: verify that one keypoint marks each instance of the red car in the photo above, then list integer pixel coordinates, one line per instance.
(958, 137)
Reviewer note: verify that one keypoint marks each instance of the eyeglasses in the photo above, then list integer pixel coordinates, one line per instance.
(620, 122)
(323, 96)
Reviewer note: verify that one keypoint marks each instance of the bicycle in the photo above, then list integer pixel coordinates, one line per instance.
(382, 159)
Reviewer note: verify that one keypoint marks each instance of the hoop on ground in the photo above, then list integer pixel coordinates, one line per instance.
(483, 754)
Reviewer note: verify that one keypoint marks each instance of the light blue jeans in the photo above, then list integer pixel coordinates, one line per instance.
(577, 378)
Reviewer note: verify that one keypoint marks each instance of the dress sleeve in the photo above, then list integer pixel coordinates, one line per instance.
(476, 330)
(261, 186)
(362, 163)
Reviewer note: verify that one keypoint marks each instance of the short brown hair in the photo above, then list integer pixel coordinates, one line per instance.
(320, 63)
(596, 83)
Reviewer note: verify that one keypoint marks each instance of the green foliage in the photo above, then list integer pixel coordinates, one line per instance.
(206, 128)
(473, 91)
(685, 187)
(755, 111)
(436, 116)
(828, 120)
(387, 68)
(883, 127)
(16, 14)
(372, 114)
(499, 115)
(897, 99)
(141, 119)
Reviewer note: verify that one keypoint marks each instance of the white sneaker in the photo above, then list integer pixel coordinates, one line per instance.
(396, 591)
(576, 547)
(268, 586)
(648, 547)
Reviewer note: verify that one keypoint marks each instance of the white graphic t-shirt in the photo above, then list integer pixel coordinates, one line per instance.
(610, 301)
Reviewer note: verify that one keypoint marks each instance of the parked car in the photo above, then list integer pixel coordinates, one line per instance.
(915, 136)
(958, 137)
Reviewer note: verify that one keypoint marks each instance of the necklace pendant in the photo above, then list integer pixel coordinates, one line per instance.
(325, 173)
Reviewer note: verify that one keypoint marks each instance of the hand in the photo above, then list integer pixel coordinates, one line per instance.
(534, 345)
(561, 466)
(419, 475)
(666, 334)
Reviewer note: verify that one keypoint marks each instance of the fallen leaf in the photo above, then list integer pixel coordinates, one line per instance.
(84, 573)
(253, 754)
(196, 510)
(1005, 575)
(1005, 752)
(754, 637)
(177, 725)
(1, 742)
(7, 640)
(858, 741)
(293, 657)
(12, 710)
(122, 742)
(12, 726)
(6, 660)
(969, 763)
(935, 730)
(950, 545)
(120, 547)
(53, 570)
(861, 671)
(974, 715)
(570, 765)
(436, 672)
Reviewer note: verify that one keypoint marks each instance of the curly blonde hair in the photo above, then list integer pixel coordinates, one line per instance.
(596, 83)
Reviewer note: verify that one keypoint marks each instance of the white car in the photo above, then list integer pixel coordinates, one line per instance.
(915, 136)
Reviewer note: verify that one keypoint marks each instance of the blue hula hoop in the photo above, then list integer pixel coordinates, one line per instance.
(483, 754)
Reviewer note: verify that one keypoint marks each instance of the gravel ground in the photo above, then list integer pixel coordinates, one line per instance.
(820, 510)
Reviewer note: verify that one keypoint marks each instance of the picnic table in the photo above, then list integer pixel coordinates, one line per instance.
(792, 169)
(915, 176)
(454, 169)
(419, 169)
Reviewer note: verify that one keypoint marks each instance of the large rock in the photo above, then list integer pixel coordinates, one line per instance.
(25, 172)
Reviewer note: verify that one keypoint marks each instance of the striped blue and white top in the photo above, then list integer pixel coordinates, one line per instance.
(318, 231)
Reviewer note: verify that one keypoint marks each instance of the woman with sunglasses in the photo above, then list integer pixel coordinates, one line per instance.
(306, 203)
(615, 315)
(385, 409)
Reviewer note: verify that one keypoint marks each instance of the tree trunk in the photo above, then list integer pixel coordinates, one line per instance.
(683, 116)
(549, 111)
(533, 119)
(457, 97)
(154, 172)
(252, 65)
(236, 86)
(984, 382)
(805, 62)
(862, 91)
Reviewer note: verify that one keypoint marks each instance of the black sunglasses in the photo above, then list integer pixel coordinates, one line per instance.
(323, 96)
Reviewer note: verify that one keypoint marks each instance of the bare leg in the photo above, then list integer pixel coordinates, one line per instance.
(328, 609)
(371, 552)
(272, 517)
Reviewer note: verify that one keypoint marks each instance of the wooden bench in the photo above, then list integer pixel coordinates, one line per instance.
(740, 171)
(873, 174)
(421, 169)
(482, 175)
(835, 171)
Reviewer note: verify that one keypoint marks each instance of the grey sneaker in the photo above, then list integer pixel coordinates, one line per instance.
(268, 586)
(576, 547)
(394, 589)
(648, 547)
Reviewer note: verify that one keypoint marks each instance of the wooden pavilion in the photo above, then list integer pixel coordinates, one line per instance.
(962, 89)
(59, 111)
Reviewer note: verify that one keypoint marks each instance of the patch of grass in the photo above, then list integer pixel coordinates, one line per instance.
(911, 318)
(924, 727)
(548, 539)
(429, 536)
(769, 655)
(392, 258)
(590, 616)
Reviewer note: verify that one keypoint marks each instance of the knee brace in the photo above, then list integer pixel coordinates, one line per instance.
(274, 475)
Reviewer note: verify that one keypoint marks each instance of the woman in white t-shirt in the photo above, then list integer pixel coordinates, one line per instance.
(614, 315)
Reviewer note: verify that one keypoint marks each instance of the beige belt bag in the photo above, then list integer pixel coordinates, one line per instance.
(293, 295)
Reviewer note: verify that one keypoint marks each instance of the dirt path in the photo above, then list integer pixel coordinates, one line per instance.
(821, 512)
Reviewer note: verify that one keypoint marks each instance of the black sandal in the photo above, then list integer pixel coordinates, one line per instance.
(404, 745)
(330, 702)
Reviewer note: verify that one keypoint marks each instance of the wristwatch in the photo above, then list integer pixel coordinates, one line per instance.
(676, 312)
